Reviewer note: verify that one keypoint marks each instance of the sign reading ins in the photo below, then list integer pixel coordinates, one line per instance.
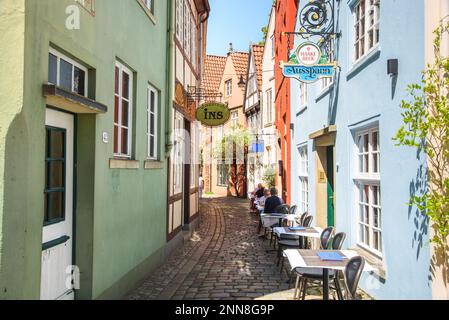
(213, 114)
(308, 64)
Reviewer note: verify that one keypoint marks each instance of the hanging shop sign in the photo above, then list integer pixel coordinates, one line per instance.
(308, 64)
(213, 114)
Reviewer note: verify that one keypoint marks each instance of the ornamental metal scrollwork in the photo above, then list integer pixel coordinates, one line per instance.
(317, 24)
(317, 18)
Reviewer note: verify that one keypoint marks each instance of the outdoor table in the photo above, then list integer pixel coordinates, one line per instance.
(310, 259)
(267, 218)
(311, 232)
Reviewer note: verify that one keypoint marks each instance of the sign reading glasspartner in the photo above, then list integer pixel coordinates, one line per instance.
(308, 64)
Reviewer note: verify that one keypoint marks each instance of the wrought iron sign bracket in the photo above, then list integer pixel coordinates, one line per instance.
(198, 94)
(317, 22)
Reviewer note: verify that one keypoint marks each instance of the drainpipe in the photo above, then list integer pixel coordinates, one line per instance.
(169, 85)
(444, 9)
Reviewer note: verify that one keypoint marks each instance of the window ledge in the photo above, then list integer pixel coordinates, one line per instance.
(376, 262)
(301, 110)
(324, 92)
(148, 12)
(373, 55)
(153, 164)
(123, 164)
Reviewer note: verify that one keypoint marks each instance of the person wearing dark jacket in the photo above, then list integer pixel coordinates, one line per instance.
(272, 202)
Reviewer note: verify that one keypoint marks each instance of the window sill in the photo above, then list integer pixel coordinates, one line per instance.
(376, 262)
(301, 110)
(324, 92)
(372, 56)
(116, 163)
(148, 12)
(372, 179)
(153, 165)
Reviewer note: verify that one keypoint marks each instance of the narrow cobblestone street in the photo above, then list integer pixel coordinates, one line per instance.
(224, 260)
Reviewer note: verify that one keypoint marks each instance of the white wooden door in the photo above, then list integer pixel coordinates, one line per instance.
(56, 267)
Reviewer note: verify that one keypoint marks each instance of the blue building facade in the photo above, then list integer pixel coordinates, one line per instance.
(346, 169)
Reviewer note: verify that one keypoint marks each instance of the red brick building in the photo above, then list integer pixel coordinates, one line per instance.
(286, 11)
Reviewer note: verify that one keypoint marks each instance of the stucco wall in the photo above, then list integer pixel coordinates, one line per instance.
(121, 215)
(368, 96)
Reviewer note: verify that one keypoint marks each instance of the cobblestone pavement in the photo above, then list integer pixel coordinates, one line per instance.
(224, 259)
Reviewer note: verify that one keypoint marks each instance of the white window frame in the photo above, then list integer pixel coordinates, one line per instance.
(60, 56)
(273, 47)
(269, 105)
(149, 4)
(155, 113)
(228, 88)
(303, 95)
(234, 118)
(368, 178)
(303, 174)
(180, 20)
(327, 82)
(178, 150)
(362, 19)
(220, 176)
(122, 69)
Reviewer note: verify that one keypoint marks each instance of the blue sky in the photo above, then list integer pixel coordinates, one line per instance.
(236, 21)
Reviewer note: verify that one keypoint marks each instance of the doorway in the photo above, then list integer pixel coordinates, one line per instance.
(330, 186)
(57, 235)
(187, 167)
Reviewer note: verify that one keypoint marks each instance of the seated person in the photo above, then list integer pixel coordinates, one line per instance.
(261, 201)
(259, 191)
(272, 202)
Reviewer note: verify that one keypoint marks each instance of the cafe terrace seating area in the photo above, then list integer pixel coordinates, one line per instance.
(311, 257)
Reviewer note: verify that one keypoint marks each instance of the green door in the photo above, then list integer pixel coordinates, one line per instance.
(330, 187)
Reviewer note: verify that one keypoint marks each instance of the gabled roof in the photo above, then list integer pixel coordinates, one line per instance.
(213, 72)
(257, 51)
(240, 61)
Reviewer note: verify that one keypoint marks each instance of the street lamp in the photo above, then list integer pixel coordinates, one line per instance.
(241, 83)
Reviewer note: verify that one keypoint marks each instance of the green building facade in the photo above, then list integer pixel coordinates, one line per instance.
(84, 108)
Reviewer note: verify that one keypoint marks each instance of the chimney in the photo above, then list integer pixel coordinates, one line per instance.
(231, 49)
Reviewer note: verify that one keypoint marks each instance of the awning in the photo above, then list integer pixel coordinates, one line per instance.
(67, 100)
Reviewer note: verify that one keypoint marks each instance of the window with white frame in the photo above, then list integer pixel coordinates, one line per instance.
(178, 150)
(194, 134)
(149, 4)
(228, 88)
(152, 118)
(180, 19)
(303, 179)
(366, 27)
(222, 174)
(269, 104)
(272, 47)
(302, 94)
(234, 118)
(66, 73)
(368, 193)
(187, 28)
(123, 111)
(328, 81)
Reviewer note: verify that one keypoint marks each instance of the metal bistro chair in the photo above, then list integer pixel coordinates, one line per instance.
(316, 274)
(283, 209)
(352, 274)
(301, 219)
(291, 241)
